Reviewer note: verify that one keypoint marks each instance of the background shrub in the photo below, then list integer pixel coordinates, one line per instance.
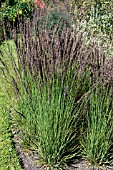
(52, 19)
(97, 14)
(11, 9)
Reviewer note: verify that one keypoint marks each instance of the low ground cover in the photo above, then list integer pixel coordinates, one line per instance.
(8, 155)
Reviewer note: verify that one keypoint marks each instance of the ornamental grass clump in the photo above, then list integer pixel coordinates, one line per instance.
(53, 74)
(53, 54)
(47, 119)
(46, 76)
(49, 74)
(97, 138)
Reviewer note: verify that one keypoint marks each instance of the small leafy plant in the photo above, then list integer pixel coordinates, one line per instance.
(11, 9)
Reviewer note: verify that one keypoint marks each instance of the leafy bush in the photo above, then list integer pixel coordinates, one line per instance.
(102, 4)
(12, 9)
(96, 14)
(103, 18)
(52, 19)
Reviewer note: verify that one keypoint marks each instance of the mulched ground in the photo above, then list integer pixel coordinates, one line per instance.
(29, 161)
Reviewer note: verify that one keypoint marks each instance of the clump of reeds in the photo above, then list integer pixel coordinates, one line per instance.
(53, 76)
(97, 138)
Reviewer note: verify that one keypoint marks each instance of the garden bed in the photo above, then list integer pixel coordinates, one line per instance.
(58, 86)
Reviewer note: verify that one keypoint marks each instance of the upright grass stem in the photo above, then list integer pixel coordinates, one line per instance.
(97, 139)
(50, 123)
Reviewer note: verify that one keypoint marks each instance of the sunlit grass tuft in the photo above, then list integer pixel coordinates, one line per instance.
(97, 139)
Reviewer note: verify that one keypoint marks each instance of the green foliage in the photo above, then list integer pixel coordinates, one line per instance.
(102, 17)
(8, 157)
(96, 20)
(106, 4)
(97, 16)
(11, 9)
(52, 19)
(1, 28)
(97, 139)
(52, 78)
(48, 122)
